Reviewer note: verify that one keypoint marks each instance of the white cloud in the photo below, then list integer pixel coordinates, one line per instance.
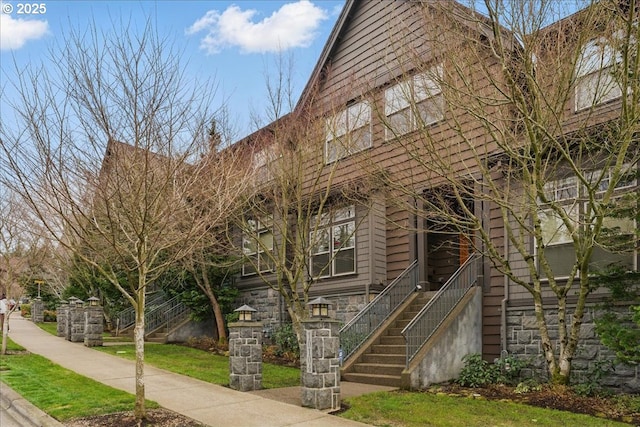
(14, 33)
(293, 25)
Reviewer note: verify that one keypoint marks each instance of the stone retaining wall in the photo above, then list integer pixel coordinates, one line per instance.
(523, 341)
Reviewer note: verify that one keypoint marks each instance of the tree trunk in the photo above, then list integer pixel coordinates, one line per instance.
(5, 333)
(219, 318)
(140, 410)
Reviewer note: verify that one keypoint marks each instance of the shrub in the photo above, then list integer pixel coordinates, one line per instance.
(508, 369)
(49, 316)
(527, 386)
(477, 372)
(286, 340)
(25, 310)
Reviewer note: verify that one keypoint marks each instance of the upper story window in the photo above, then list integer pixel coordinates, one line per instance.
(257, 243)
(414, 103)
(333, 245)
(596, 83)
(558, 242)
(348, 132)
(264, 161)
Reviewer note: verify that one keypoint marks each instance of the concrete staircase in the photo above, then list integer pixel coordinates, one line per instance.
(159, 336)
(383, 361)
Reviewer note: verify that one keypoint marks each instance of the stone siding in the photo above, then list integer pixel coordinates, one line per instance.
(272, 313)
(523, 341)
(93, 326)
(245, 356)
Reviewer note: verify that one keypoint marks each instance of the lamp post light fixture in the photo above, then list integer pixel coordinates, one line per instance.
(79, 303)
(39, 283)
(93, 301)
(320, 307)
(245, 313)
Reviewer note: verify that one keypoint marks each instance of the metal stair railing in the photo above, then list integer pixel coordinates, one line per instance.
(425, 323)
(127, 317)
(168, 315)
(367, 321)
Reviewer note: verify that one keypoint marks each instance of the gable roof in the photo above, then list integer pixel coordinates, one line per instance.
(479, 23)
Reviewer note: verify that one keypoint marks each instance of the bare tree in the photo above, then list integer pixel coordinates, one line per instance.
(521, 132)
(111, 157)
(15, 242)
(288, 238)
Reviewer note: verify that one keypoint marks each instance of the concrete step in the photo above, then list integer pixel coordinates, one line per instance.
(378, 369)
(392, 340)
(386, 380)
(385, 359)
(395, 331)
(157, 337)
(388, 349)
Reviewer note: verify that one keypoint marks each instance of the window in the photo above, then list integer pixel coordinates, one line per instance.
(348, 132)
(595, 72)
(413, 103)
(264, 161)
(333, 246)
(558, 242)
(257, 242)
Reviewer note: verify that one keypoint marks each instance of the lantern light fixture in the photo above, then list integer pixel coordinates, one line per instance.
(93, 301)
(245, 313)
(320, 307)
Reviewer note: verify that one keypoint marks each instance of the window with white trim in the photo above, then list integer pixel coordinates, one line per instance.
(348, 132)
(333, 245)
(558, 242)
(414, 103)
(257, 242)
(263, 162)
(596, 83)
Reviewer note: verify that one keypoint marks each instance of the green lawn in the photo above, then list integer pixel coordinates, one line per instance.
(61, 393)
(203, 365)
(406, 409)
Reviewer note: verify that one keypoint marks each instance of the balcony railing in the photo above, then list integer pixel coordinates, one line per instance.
(365, 323)
(425, 323)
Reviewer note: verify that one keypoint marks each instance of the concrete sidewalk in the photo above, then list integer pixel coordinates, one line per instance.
(208, 403)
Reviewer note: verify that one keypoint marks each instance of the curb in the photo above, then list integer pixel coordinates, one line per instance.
(24, 411)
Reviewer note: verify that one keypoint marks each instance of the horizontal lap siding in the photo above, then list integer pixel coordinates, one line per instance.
(362, 60)
(398, 256)
(363, 57)
(493, 294)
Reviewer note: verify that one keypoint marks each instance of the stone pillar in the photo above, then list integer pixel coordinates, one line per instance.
(245, 356)
(93, 324)
(76, 321)
(72, 303)
(37, 310)
(62, 312)
(320, 364)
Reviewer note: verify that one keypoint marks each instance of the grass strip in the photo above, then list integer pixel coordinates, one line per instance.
(12, 346)
(202, 365)
(410, 409)
(61, 393)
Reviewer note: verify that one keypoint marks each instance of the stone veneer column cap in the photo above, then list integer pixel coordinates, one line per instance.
(245, 324)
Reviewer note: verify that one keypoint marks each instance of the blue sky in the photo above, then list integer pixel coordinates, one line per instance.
(232, 42)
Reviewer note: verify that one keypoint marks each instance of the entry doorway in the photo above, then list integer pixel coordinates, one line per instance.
(446, 246)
